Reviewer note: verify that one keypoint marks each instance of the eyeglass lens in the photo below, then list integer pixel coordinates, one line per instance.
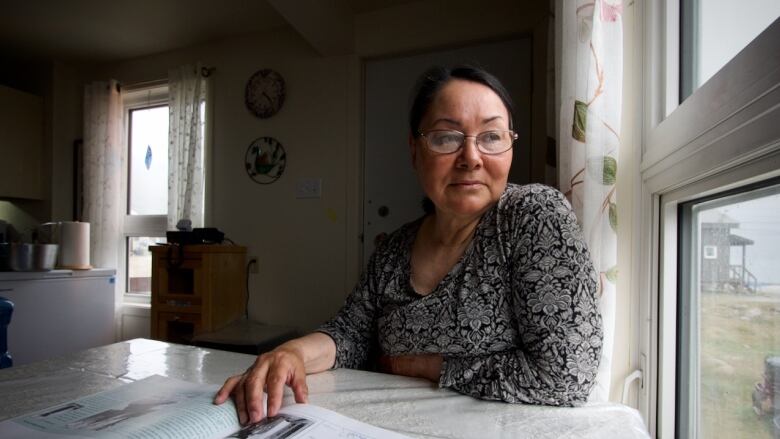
(491, 142)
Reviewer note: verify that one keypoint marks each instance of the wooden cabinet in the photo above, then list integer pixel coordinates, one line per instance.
(195, 289)
(21, 144)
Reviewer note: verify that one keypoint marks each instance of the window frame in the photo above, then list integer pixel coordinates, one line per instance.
(148, 95)
(689, 426)
(722, 137)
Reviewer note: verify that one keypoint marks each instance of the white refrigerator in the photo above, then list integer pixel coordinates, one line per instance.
(58, 312)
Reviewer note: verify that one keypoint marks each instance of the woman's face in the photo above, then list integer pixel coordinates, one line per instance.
(467, 182)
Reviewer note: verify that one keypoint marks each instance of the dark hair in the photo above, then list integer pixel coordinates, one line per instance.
(429, 84)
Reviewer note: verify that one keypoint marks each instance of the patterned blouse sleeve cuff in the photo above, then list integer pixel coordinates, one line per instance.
(338, 340)
(452, 372)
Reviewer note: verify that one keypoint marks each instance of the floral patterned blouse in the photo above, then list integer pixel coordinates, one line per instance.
(516, 319)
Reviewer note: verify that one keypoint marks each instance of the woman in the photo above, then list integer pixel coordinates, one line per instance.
(491, 294)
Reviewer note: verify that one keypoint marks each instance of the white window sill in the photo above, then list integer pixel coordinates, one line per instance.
(137, 300)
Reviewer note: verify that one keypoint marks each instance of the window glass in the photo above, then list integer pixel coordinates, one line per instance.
(714, 31)
(729, 341)
(148, 179)
(139, 263)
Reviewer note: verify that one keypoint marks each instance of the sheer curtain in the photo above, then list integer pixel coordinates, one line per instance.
(591, 94)
(187, 91)
(103, 164)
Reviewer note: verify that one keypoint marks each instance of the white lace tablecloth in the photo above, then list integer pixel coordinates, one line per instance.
(410, 406)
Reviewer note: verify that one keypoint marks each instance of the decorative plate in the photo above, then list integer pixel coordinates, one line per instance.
(265, 160)
(265, 93)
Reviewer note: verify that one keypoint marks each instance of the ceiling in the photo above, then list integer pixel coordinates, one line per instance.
(100, 31)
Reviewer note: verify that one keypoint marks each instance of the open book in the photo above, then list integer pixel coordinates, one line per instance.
(159, 407)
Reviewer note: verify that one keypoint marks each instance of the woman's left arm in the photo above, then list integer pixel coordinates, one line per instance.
(558, 320)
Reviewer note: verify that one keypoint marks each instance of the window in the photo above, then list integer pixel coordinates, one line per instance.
(704, 164)
(146, 186)
(714, 31)
(710, 252)
(728, 314)
(148, 161)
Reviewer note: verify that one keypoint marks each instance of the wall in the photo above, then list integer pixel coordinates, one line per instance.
(419, 25)
(66, 103)
(31, 76)
(299, 243)
(22, 220)
(308, 249)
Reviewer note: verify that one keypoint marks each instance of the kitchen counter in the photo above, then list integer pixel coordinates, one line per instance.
(55, 274)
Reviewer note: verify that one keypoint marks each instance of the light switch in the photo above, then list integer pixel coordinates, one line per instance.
(309, 188)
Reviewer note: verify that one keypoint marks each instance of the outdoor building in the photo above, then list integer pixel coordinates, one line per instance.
(718, 274)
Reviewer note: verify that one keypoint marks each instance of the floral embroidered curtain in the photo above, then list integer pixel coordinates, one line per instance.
(103, 162)
(591, 96)
(187, 90)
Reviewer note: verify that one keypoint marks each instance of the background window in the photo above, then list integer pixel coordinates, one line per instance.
(139, 263)
(728, 350)
(148, 157)
(714, 31)
(146, 186)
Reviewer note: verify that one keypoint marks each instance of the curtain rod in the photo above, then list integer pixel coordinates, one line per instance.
(204, 71)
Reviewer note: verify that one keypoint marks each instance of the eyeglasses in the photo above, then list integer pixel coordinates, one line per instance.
(450, 141)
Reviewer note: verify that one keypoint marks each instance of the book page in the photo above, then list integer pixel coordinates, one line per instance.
(166, 408)
(304, 421)
(153, 408)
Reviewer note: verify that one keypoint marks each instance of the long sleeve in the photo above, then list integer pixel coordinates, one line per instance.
(556, 313)
(353, 329)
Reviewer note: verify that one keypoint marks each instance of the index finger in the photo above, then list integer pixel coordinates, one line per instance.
(224, 392)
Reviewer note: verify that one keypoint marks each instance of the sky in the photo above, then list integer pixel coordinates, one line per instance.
(149, 187)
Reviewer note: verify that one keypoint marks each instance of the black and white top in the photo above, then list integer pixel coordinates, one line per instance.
(516, 319)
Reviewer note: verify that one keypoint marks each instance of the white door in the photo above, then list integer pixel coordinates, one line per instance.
(391, 194)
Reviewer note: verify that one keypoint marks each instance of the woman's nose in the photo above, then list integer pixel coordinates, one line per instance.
(470, 157)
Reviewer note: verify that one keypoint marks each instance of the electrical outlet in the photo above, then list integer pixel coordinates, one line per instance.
(309, 188)
(254, 267)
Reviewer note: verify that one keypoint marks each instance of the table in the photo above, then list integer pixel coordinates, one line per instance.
(410, 406)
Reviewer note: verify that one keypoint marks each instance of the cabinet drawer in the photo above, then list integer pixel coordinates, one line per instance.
(179, 284)
(177, 327)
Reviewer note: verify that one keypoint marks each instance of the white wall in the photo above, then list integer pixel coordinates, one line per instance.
(444, 23)
(300, 243)
(308, 249)
(22, 221)
(66, 107)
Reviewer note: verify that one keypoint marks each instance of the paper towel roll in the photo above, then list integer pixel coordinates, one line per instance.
(74, 245)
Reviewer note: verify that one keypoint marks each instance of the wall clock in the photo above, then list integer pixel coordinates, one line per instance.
(265, 160)
(265, 93)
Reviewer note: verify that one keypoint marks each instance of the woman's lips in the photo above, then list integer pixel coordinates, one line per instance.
(467, 183)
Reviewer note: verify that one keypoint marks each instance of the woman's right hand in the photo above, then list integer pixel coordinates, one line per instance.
(270, 372)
